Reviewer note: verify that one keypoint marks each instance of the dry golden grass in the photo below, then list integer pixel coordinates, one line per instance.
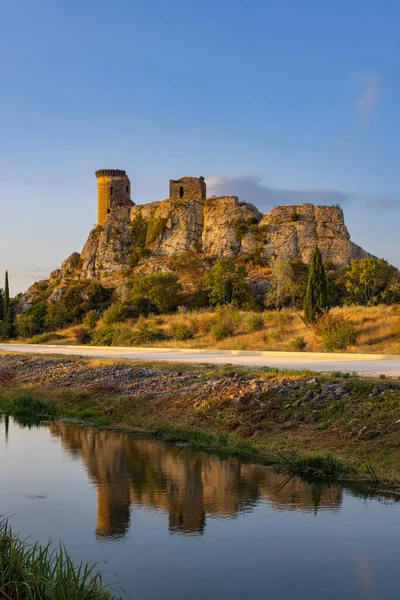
(378, 330)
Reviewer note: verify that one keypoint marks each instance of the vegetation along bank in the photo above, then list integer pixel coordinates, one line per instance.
(32, 572)
(299, 422)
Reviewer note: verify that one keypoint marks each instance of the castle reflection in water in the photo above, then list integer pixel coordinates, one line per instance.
(189, 487)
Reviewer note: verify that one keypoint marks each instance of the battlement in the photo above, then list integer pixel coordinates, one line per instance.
(110, 173)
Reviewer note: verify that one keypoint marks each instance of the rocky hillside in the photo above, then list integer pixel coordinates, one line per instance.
(143, 238)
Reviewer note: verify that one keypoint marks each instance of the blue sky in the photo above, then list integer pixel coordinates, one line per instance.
(256, 95)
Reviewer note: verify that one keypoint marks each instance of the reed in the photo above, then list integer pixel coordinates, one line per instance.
(36, 572)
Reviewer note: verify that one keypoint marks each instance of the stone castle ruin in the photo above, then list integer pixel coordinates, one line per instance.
(139, 238)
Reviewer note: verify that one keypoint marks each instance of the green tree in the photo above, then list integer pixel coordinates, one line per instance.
(228, 283)
(7, 308)
(1, 304)
(287, 283)
(371, 281)
(161, 288)
(32, 321)
(316, 300)
(6, 330)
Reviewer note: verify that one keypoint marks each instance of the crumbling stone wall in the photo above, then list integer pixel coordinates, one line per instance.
(188, 188)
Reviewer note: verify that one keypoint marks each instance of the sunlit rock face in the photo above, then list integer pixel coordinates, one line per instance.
(294, 230)
(138, 238)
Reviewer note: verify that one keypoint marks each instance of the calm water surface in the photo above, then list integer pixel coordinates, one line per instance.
(173, 524)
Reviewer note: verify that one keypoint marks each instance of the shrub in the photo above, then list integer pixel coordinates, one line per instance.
(90, 319)
(159, 288)
(97, 297)
(337, 333)
(298, 344)
(114, 314)
(103, 335)
(181, 332)
(225, 323)
(123, 336)
(32, 321)
(155, 229)
(140, 305)
(255, 323)
(228, 283)
(82, 335)
(42, 338)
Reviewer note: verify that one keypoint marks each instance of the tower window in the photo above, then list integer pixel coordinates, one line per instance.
(108, 211)
(127, 189)
(181, 192)
(111, 191)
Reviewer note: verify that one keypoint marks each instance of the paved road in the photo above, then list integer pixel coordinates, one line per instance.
(359, 363)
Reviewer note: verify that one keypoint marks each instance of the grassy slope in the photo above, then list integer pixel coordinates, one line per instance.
(378, 331)
(275, 427)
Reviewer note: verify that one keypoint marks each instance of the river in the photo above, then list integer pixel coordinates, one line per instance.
(169, 523)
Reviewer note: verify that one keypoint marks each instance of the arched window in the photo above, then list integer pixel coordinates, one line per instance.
(108, 210)
(181, 192)
(127, 189)
(111, 192)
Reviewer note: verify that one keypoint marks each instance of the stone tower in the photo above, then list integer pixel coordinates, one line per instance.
(113, 189)
(188, 188)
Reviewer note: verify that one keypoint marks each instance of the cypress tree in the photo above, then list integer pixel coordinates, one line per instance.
(316, 299)
(6, 310)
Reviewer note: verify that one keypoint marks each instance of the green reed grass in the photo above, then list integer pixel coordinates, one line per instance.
(205, 440)
(317, 464)
(36, 572)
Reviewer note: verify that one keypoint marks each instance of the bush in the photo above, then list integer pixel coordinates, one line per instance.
(337, 333)
(123, 336)
(42, 338)
(82, 335)
(160, 288)
(255, 323)
(103, 335)
(298, 344)
(116, 313)
(32, 321)
(228, 283)
(181, 332)
(149, 336)
(141, 305)
(90, 319)
(225, 323)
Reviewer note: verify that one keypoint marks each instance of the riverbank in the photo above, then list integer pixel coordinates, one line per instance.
(257, 413)
(32, 571)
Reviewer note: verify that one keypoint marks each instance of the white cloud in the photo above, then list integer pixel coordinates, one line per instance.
(368, 99)
(249, 188)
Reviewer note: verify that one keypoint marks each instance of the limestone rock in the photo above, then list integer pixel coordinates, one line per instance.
(222, 219)
(294, 230)
(107, 248)
(173, 226)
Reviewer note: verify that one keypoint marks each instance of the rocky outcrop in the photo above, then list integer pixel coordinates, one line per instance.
(225, 221)
(294, 230)
(173, 226)
(143, 238)
(107, 248)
